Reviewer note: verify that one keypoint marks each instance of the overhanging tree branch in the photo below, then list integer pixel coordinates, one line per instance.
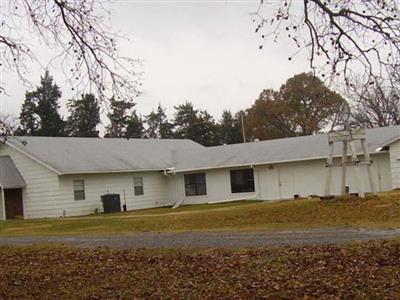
(344, 37)
(77, 32)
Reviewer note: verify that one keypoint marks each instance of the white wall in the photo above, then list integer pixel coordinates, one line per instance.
(283, 181)
(218, 188)
(49, 195)
(155, 191)
(395, 164)
(40, 197)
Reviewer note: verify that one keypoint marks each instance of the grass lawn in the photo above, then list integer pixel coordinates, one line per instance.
(369, 270)
(381, 212)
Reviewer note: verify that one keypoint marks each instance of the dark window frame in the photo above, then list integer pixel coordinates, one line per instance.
(79, 194)
(242, 180)
(138, 189)
(195, 184)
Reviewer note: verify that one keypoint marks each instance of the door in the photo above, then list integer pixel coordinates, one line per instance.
(13, 202)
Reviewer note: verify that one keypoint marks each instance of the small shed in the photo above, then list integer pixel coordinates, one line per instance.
(11, 185)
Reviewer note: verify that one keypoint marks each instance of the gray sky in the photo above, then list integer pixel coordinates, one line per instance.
(205, 52)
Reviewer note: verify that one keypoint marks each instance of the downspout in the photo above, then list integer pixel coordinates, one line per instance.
(258, 182)
(3, 203)
(168, 172)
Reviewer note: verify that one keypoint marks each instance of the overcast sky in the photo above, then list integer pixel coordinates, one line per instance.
(205, 52)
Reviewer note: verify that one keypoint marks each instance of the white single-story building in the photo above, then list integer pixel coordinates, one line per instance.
(64, 176)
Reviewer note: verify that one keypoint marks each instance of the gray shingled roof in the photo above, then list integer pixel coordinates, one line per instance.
(10, 178)
(274, 151)
(87, 155)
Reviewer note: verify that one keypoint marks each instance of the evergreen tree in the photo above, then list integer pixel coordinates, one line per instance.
(28, 119)
(134, 128)
(208, 130)
(119, 118)
(230, 128)
(39, 115)
(185, 120)
(84, 117)
(195, 125)
(158, 125)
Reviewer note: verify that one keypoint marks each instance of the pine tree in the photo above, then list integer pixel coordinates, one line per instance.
(195, 125)
(84, 116)
(39, 114)
(119, 118)
(28, 119)
(208, 134)
(230, 128)
(185, 120)
(134, 128)
(158, 125)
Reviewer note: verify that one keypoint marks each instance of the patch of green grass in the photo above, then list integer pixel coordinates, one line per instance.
(380, 212)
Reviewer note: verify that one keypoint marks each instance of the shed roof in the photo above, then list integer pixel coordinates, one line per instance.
(275, 151)
(67, 155)
(10, 178)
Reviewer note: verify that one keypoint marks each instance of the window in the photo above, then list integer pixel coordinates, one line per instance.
(242, 181)
(195, 184)
(79, 189)
(138, 186)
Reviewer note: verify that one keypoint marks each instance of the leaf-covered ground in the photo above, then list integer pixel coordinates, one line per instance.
(356, 271)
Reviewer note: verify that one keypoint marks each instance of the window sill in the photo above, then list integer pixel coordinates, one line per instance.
(243, 193)
(196, 196)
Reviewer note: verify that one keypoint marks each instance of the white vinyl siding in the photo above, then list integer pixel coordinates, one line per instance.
(96, 185)
(49, 195)
(283, 181)
(41, 195)
(218, 188)
(395, 164)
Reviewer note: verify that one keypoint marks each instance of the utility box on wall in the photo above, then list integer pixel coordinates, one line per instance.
(111, 203)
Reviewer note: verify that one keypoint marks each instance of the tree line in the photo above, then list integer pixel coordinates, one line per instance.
(301, 106)
(40, 116)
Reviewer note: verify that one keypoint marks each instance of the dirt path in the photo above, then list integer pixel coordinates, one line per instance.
(212, 239)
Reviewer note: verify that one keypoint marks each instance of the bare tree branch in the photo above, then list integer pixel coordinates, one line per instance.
(343, 37)
(8, 125)
(77, 32)
(375, 105)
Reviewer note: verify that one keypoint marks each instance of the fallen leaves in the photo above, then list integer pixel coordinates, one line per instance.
(369, 270)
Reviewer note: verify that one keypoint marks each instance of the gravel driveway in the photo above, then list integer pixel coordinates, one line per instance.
(212, 239)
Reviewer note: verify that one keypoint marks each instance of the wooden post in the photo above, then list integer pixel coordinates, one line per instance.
(328, 181)
(367, 158)
(356, 170)
(344, 165)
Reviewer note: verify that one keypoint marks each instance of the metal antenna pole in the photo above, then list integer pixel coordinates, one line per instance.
(243, 130)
